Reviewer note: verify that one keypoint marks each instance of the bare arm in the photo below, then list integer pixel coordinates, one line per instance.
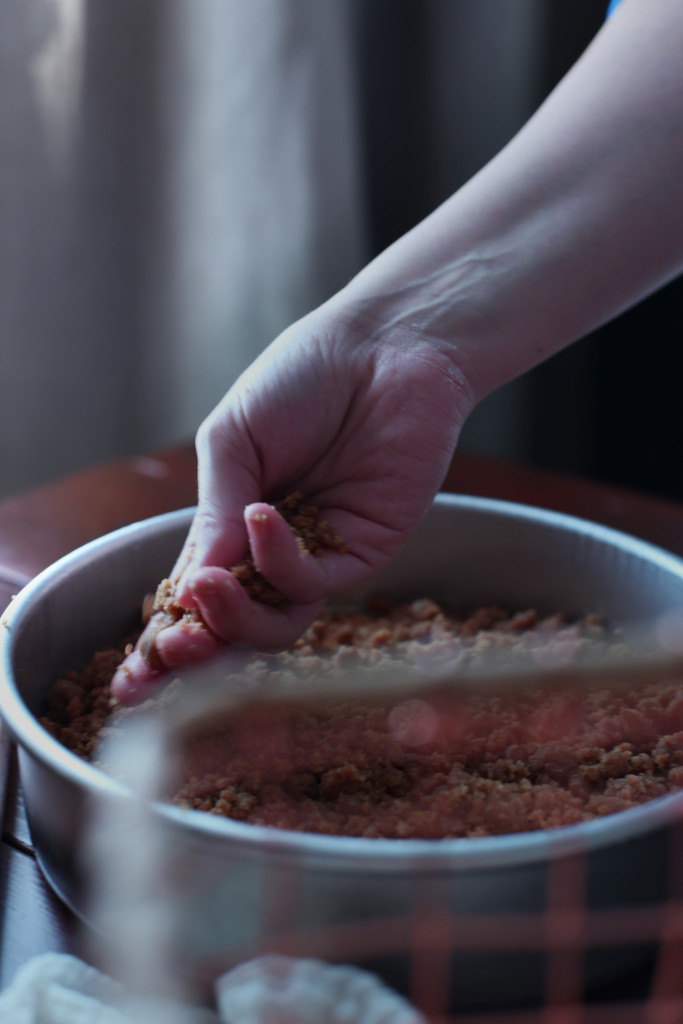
(577, 218)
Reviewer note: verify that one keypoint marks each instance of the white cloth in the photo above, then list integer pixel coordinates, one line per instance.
(280, 990)
(60, 989)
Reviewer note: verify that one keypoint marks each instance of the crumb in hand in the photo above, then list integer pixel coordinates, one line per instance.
(312, 535)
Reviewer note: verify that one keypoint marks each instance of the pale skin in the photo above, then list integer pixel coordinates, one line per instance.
(360, 404)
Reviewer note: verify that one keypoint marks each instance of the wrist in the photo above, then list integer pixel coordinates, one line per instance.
(448, 310)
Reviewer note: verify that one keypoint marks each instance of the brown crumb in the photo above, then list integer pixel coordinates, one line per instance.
(312, 535)
(482, 766)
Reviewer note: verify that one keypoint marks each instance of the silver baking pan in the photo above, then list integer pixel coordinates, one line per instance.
(473, 910)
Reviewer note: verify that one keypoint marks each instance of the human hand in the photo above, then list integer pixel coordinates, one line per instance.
(364, 422)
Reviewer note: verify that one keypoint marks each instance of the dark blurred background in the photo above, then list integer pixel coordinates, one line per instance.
(179, 181)
(609, 406)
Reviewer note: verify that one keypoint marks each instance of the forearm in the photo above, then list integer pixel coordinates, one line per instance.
(578, 217)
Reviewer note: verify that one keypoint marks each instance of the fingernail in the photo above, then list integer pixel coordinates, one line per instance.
(184, 590)
(253, 516)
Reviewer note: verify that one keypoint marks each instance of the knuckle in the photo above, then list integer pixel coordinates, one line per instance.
(208, 516)
(209, 435)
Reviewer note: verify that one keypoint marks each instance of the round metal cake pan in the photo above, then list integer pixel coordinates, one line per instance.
(352, 899)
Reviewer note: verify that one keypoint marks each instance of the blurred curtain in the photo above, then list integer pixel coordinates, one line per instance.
(179, 180)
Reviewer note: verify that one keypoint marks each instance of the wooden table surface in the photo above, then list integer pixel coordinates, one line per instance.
(39, 527)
